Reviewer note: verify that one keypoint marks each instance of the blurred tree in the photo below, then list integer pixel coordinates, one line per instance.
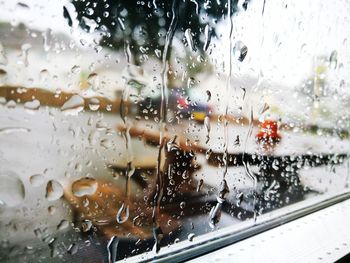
(144, 23)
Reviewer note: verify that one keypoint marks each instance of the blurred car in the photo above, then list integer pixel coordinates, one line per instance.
(181, 104)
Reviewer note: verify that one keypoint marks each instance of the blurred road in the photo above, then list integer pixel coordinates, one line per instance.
(65, 148)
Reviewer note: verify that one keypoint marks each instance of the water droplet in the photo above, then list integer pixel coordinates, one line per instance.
(73, 249)
(123, 214)
(190, 83)
(112, 249)
(190, 237)
(106, 143)
(73, 106)
(240, 51)
(12, 191)
(208, 95)
(51, 209)
(101, 125)
(93, 81)
(54, 190)
(84, 186)
(3, 73)
(75, 69)
(11, 104)
(32, 105)
(63, 225)
(158, 53)
(199, 185)
(275, 164)
(105, 14)
(44, 75)
(208, 153)
(239, 198)
(90, 11)
(333, 59)
(182, 205)
(78, 167)
(3, 57)
(37, 180)
(8, 130)
(188, 36)
(94, 104)
(86, 225)
(24, 55)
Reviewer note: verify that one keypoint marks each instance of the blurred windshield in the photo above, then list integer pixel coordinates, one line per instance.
(134, 129)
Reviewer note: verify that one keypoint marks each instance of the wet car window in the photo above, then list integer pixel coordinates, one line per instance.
(136, 129)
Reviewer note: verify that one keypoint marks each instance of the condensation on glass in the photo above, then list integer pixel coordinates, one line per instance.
(131, 127)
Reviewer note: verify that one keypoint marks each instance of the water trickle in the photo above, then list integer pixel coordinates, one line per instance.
(215, 213)
(123, 214)
(73, 106)
(84, 186)
(197, 6)
(70, 14)
(223, 189)
(199, 185)
(157, 231)
(121, 23)
(207, 127)
(54, 190)
(46, 36)
(158, 236)
(189, 39)
(112, 249)
(207, 37)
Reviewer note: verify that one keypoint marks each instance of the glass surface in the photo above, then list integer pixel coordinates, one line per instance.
(128, 127)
